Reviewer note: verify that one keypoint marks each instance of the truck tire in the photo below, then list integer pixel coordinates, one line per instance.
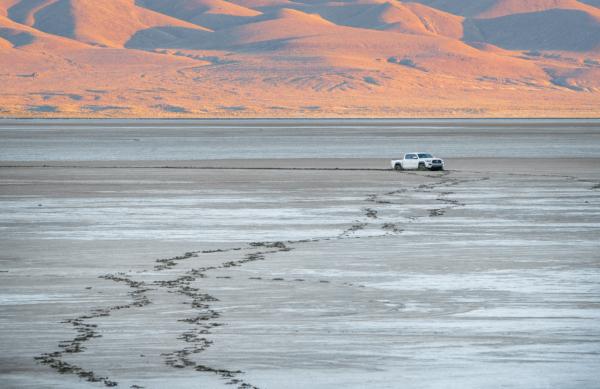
(422, 166)
(398, 166)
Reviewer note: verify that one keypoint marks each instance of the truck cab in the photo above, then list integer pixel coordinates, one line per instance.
(418, 161)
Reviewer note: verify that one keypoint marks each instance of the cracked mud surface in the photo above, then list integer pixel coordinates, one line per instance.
(360, 275)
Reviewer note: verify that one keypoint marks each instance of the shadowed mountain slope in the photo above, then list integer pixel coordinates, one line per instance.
(25, 37)
(554, 29)
(214, 14)
(466, 8)
(411, 18)
(496, 8)
(106, 23)
(511, 7)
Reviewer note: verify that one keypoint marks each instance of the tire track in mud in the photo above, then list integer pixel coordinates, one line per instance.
(206, 319)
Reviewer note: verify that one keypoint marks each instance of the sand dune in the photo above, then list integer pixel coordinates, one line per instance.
(300, 58)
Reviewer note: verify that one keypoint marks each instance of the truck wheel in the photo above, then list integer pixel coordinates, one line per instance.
(421, 166)
(398, 167)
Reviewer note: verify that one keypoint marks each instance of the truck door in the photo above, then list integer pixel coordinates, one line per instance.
(411, 161)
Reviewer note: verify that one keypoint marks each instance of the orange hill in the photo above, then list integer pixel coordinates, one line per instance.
(261, 58)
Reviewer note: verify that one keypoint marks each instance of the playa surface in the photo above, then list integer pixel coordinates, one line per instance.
(324, 269)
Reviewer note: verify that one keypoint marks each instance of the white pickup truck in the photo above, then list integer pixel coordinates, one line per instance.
(420, 161)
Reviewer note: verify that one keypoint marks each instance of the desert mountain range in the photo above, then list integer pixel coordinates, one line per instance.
(303, 58)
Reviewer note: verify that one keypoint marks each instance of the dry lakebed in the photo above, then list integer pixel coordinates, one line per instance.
(286, 254)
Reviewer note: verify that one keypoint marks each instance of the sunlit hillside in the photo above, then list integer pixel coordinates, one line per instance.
(284, 58)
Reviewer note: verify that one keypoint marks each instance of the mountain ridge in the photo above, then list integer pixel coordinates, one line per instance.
(219, 58)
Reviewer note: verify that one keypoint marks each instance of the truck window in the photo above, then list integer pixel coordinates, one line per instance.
(425, 156)
(410, 156)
